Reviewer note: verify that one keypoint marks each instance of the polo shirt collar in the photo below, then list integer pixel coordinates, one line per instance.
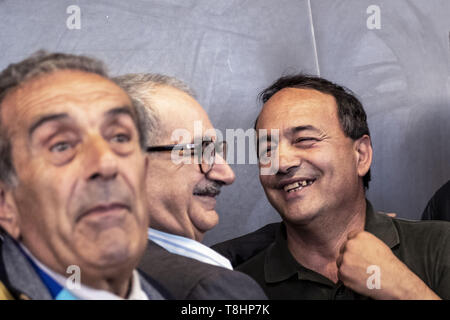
(280, 265)
(381, 226)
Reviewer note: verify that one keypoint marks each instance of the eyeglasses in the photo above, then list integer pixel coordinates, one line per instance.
(205, 151)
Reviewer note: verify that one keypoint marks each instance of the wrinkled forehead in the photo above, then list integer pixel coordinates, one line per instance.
(77, 94)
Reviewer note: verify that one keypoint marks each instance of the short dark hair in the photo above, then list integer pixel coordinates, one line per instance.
(38, 64)
(351, 114)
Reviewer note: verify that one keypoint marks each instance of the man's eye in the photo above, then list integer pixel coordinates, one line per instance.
(60, 146)
(306, 141)
(121, 138)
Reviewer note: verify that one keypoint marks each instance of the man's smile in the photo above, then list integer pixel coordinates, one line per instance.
(294, 187)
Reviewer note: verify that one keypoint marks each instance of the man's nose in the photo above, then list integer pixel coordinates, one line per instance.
(101, 160)
(221, 171)
(288, 159)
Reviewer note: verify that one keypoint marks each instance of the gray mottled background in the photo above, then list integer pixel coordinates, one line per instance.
(228, 50)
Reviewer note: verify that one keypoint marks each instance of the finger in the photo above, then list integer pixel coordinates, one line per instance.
(339, 261)
(352, 234)
(342, 248)
(392, 215)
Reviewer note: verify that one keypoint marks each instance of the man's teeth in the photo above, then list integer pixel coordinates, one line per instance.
(297, 185)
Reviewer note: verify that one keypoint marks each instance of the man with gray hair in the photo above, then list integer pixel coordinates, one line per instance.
(186, 172)
(72, 187)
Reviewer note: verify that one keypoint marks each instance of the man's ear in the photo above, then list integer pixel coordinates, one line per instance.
(363, 149)
(9, 219)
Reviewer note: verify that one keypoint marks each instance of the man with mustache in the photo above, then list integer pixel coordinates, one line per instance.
(72, 187)
(331, 243)
(186, 172)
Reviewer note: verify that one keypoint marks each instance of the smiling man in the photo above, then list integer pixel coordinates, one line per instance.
(182, 188)
(187, 170)
(332, 244)
(72, 192)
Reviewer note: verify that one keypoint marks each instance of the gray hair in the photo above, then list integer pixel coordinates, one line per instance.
(38, 64)
(140, 86)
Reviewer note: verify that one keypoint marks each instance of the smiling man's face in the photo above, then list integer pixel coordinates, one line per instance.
(79, 196)
(182, 199)
(318, 165)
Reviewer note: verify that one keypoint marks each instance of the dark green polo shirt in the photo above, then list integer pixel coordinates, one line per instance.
(424, 246)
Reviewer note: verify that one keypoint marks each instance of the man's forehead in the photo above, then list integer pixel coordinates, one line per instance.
(292, 107)
(178, 110)
(63, 92)
(76, 85)
(196, 128)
